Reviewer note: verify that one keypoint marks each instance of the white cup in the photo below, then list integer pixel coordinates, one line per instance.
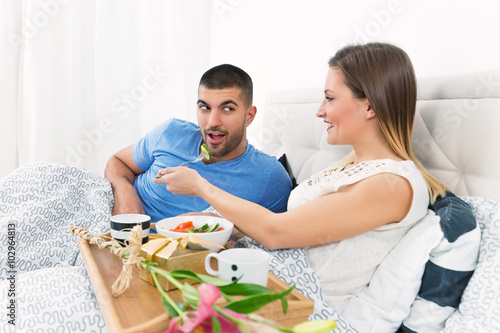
(122, 224)
(249, 264)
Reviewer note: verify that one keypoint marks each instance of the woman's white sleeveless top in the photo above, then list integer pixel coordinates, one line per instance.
(345, 268)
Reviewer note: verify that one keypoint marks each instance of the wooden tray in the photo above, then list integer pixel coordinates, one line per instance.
(140, 308)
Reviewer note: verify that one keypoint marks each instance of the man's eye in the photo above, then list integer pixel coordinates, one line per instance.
(227, 108)
(204, 107)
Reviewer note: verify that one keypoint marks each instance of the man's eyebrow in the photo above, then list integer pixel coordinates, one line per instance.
(229, 101)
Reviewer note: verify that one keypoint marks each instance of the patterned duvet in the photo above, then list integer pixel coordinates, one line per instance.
(45, 284)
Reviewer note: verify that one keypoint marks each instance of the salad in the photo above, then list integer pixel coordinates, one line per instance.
(189, 227)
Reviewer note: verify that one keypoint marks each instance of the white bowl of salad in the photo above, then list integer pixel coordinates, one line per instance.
(210, 228)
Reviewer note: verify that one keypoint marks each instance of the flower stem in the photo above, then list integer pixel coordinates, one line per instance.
(165, 295)
(282, 329)
(153, 269)
(225, 315)
(226, 297)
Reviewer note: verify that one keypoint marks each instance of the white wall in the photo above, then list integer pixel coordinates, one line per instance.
(282, 44)
(286, 44)
(82, 79)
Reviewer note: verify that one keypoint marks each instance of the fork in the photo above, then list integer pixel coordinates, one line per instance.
(199, 158)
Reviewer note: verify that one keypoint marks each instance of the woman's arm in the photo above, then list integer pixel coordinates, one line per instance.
(368, 204)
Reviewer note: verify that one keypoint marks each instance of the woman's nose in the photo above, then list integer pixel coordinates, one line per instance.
(321, 111)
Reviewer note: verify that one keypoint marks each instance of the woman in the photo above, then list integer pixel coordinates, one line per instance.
(350, 215)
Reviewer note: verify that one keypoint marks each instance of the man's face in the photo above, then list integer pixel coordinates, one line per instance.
(223, 118)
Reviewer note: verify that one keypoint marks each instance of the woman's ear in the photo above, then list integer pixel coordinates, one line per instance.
(370, 113)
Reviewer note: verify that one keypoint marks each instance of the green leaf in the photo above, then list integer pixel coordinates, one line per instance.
(253, 303)
(190, 295)
(244, 289)
(216, 281)
(185, 274)
(216, 327)
(284, 305)
(181, 306)
(171, 311)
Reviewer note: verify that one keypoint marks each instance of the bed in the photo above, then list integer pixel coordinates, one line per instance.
(43, 281)
(456, 136)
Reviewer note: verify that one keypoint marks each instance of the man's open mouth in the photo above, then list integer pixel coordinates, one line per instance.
(215, 138)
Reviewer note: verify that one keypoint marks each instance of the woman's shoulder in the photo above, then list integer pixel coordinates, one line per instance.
(386, 164)
(387, 175)
(404, 168)
(403, 177)
(394, 169)
(364, 169)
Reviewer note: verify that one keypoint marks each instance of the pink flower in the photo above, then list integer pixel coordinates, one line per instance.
(172, 326)
(201, 319)
(208, 294)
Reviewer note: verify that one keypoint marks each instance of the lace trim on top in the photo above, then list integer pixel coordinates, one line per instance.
(334, 178)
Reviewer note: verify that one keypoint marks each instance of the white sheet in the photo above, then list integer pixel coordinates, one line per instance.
(52, 290)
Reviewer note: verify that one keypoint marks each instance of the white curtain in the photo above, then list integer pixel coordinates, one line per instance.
(82, 79)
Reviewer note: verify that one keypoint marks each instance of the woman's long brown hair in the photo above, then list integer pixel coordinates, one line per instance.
(383, 74)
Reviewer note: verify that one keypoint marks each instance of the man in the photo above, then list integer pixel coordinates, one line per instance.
(224, 111)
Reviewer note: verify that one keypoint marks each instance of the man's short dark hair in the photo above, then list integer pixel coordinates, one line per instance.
(229, 76)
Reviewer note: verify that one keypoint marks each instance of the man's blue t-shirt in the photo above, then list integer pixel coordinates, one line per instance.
(253, 176)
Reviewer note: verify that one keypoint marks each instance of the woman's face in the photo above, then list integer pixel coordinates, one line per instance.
(344, 115)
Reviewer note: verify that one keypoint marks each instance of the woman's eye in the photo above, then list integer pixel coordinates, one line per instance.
(329, 99)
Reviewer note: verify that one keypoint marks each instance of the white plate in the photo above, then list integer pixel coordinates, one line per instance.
(218, 237)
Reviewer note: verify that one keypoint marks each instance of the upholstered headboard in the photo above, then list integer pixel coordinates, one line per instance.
(456, 132)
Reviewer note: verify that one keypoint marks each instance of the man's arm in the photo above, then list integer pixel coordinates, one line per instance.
(121, 171)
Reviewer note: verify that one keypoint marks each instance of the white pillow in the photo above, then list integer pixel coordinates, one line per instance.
(479, 309)
(385, 303)
(449, 269)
